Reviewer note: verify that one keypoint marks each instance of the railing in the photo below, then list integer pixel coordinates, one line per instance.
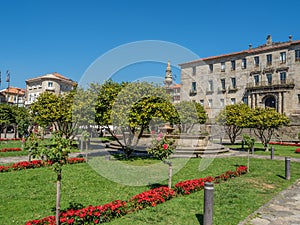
(273, 83)
(193, 92)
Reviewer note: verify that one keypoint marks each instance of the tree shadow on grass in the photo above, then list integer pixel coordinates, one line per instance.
(199, 218)
(280, 176)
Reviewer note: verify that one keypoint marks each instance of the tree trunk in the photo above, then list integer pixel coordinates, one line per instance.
(58, 183)
(170, 175)
(86, 150)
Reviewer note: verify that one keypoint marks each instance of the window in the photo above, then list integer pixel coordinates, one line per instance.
(256, 60)
(269, 79)
(194, 70)
(222, 102)
(283, 77)
(222, 66)
(233, 101)
(297, 55)
(211, 67)
(223, 84)
(50, 84)
(233, 82)
(233, 65)
(202, 102)
(244, 63)
(282, 57)
(194, 87)
(210, 102)
(269, 59)
(245, 100)
(210, 85)
(256, 79)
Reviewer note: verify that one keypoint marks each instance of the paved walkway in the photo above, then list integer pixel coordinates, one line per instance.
(283, 209)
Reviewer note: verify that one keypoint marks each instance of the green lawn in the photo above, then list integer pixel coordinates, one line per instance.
(279, 150)
(30, 194)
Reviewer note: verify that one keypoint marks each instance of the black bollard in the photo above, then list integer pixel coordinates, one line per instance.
(243, 145)
(272, 153)
(287, 168)
(252, 150)
(208, 203)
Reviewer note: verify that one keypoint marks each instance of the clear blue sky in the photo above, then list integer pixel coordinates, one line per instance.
(66, 36)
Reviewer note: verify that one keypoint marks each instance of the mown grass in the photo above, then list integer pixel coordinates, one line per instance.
(279, 150)
(30, 194)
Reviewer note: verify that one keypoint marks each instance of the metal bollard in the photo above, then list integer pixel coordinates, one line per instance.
(107, 157)
(272, 153)
(208, 203)
(287, 168)
(252, 150)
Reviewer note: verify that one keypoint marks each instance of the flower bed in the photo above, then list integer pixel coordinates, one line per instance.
(34, 164)
(150, 198)
(10, 149)
(297, 150)
(10, 139)
(284, 143)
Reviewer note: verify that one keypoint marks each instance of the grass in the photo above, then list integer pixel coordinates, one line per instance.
(11, 144)
(30, 194)
(279, 150)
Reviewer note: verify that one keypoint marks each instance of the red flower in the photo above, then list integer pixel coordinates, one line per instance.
(165, 146)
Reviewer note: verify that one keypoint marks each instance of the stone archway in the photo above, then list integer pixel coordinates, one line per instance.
(270, 101)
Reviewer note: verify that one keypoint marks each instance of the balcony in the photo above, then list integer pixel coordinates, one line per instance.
(274, 84)
(50, 88)
(232, 88)
(222, 89)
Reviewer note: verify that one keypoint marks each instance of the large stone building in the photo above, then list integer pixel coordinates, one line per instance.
(53, 82)
(264, 76)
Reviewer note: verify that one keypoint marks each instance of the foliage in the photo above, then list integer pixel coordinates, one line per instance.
(249, 141)
(234, 118)
(190, 113)
(7, 116)
(55, 110)
(265, 122)
(161, 147)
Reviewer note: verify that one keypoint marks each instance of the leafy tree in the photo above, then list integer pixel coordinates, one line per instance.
(54, 151)
(23, 120)
(7, 117)
(190, 113)
(265, 122)
(55, 110)
(234, 118)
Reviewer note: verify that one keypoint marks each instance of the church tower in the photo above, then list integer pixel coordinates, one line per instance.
(168, 78)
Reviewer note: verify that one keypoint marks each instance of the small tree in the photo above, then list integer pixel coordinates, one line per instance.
(249, 141)
(161, 148)
(265, 122)
(54, 153)
(234, 118)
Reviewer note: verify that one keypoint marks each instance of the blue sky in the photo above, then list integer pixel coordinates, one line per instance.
(67, 36)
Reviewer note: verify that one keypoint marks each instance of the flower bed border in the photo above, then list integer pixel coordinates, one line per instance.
(10, 139)
(105, 213)
(34, 164)
(284, 143)
(10, 149)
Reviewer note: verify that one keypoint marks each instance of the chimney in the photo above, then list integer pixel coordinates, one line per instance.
(250, 46)
(290, 38)
(269, 40)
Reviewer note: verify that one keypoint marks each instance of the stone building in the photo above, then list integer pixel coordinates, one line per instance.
(53, 82)
(13, 96)
(264, 76)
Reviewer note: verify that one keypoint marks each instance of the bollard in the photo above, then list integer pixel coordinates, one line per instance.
(107, 157)
(243, 145)
(208, 203)
(272, 153)
(287, 168)
(252, 150)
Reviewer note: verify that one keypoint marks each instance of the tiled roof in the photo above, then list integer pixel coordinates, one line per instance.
(14, 90)
(262, 48)
(53, 75)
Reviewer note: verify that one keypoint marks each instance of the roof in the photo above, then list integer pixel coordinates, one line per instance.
(251, 51)
(53, 75)
(14, 90)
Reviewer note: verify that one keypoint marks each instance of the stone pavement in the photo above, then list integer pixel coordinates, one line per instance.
(283, 209)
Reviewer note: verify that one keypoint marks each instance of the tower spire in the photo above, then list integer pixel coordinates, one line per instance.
(168, 78)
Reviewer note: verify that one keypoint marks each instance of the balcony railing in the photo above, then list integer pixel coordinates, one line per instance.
(193, 92)
(286, 83)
